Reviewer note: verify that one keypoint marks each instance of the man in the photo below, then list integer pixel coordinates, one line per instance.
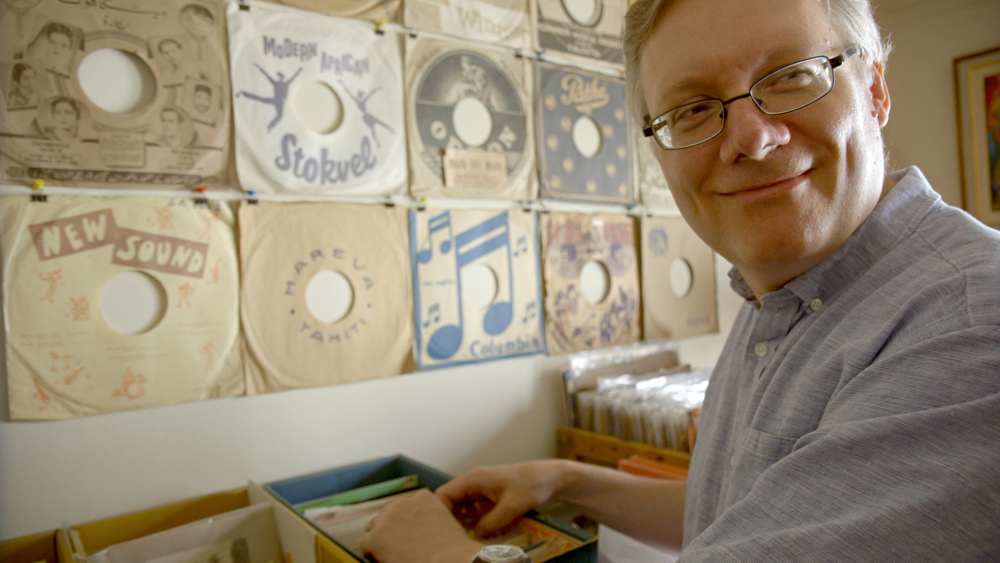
(202, 98)
(170, 129)
(172, 52)
(22, 92)
(854, 414)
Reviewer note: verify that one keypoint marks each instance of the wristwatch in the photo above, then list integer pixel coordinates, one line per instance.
(501, 554)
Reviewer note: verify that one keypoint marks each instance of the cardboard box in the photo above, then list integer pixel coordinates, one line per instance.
(325, 483)
(600, 449)
(300, 542)
(30, 549)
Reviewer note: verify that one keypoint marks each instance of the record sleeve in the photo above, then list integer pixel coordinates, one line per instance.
(293, 253)
(466, 106)
(371, 10)
(651, 185)
(318, 104)
(583, 134)
(61, 261)
(572, 242)
(176, 133)
(585, 32)
(678, 281)
(499, 22)
(476, 285)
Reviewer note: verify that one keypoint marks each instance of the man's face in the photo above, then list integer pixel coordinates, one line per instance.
(170, 121)
(774, 195)
(63, 115)
(202, 100)
(58, 44)
(26, 83)
(172, 52)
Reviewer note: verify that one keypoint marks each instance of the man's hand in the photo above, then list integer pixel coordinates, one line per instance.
(418, 529)
(487, 499)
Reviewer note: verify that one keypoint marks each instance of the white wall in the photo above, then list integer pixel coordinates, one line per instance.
(928, 35)
(60, 473)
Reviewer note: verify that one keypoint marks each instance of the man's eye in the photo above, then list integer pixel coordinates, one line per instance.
(691, 112)
(793, 79)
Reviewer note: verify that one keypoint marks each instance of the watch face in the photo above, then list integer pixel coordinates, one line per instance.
(502, 554)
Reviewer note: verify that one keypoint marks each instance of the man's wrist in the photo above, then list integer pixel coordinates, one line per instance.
(459, 553)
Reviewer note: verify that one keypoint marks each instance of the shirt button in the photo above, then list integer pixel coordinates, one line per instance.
(815, 304)
(760, 349)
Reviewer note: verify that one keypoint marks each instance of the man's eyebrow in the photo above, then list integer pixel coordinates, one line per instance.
(770, 61)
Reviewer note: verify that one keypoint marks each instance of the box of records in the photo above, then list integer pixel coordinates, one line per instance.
(245, 525)
(30, 549)
(340, 502)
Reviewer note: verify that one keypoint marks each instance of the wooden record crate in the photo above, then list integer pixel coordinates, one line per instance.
(601, 449)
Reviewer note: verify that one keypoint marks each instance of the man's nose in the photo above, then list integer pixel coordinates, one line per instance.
(750, 133)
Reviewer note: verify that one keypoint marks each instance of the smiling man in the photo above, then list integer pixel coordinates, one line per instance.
(854, 414)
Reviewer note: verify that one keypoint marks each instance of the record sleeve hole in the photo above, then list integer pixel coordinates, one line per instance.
(319, 108)
(329, 296)
(681, 277)
(479, 285)
(473, 122)
(587, 137)
(583, 12)
(116, 81)
(133, 302)
(595, 282)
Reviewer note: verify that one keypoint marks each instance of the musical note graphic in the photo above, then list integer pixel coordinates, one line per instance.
(433, 315)
(530, 312)
(435, 224)
(521, 247)
(470, 245)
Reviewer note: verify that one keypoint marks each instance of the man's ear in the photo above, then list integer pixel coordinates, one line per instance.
(880, 95)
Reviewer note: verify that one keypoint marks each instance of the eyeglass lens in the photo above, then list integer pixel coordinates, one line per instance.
(784, 90)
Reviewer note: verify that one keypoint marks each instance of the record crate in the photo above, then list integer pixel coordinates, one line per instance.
(30, 549)
(601, 449)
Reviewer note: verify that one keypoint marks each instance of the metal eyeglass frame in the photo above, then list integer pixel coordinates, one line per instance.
(650, 130)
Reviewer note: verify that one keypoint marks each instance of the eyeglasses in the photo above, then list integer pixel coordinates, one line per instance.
(785, 90)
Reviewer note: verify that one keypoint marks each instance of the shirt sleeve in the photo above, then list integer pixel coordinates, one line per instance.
(904, 466)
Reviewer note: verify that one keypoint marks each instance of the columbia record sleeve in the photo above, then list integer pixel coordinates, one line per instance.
(318, 104)
(326, 294)
(581, 31)
(370, 10)
(583, 136)
(59, 123)
(499, 22)
(472, 106)
(578, 252)
(476, 285)
(678, 281)
(651, 185)
(73, 264)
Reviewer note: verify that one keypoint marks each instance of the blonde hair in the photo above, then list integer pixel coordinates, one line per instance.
(853, 19)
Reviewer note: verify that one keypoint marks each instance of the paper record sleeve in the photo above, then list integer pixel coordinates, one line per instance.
(371, 10)
(584, 140)
(176, 131)
(65, 356)
(444, 78)
(678, 280)
(498, 22)
(318, 104)
(572, 243)
(583, 33)
(477, 293)
(291, 252)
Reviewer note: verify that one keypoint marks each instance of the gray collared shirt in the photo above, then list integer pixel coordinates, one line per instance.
(854, 414)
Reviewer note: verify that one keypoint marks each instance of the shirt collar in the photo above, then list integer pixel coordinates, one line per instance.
(893, 219)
